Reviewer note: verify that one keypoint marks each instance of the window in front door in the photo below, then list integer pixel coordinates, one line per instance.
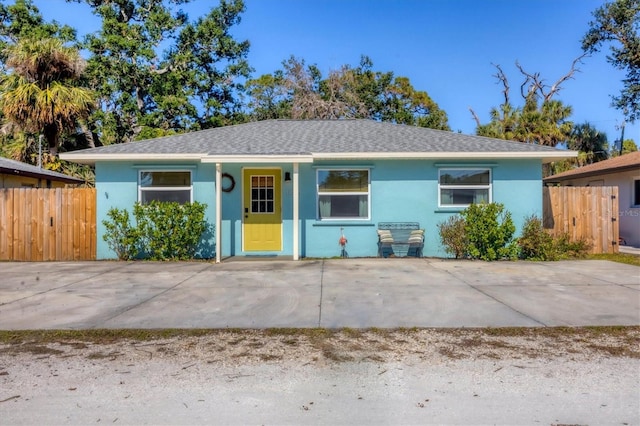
(262, 194)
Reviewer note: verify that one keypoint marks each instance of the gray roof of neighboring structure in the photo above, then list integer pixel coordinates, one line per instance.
(316, 137)
(17, 168)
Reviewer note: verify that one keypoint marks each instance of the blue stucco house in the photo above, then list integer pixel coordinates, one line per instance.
(292, 187)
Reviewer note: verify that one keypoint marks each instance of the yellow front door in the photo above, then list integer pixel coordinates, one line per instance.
(262, 209)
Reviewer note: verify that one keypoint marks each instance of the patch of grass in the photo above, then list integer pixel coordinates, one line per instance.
(472, 342)
(102, 355)
(627, 258)
(237, 341)
(450, 352)
(32, 348)
(616, 351)
(270, 357)
(345, 344)
(308, 332)
(374, 358)
(331, 352)
(98, 336)
(351, 332)
(530, 332)
(76, 338)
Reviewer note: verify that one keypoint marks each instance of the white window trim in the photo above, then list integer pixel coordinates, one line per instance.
(489, 186)
(164, 188)
(319, 193)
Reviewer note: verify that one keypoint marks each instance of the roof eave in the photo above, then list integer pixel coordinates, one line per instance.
(86, 158)
(581, 175)
(546, 157)
(36, 175)
(286, 158)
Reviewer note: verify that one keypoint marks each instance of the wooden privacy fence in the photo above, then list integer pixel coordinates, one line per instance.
(47, 224)
(589, 213)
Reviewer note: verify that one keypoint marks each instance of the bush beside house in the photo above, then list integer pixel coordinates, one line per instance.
(162, 231)
(485, 232)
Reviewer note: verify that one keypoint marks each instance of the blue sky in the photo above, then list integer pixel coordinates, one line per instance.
(445, 47)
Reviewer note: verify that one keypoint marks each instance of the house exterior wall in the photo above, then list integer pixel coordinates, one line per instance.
(117, 187)
(400, 190)
(407, 191)
(629, 223)
(9, 181)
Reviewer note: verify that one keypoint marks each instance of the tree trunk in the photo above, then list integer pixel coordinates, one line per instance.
(51, 134)
(88, 134)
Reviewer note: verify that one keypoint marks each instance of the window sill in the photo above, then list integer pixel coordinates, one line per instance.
(449, 209)
(343, 223)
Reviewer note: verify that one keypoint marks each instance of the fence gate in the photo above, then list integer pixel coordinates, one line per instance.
(47, 224)
(584, 212)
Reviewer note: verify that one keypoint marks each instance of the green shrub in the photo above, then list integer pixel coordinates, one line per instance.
(571, 249)
(170, 231)
(453, 237)
(536, 243)
(489, 230)
(121, 237)
(163, 231)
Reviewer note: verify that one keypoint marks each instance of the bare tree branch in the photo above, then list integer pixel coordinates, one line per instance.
(532, 82)
(555, 87)
(475, 117)
(502, 77)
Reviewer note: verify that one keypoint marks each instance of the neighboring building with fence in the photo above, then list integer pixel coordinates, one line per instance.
(15, 174)
(622, 172)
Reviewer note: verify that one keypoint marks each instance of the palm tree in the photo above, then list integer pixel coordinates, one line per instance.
(591, 143)
(40, 94)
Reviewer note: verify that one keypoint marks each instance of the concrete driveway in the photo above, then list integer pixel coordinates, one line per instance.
(355, 293)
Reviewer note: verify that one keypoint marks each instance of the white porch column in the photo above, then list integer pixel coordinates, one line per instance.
(218, 212)
(296, 226)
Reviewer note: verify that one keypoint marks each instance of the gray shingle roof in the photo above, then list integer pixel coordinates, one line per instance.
(290, 137)
(16, 168)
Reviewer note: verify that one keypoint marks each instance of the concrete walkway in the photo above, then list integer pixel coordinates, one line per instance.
(356, 293)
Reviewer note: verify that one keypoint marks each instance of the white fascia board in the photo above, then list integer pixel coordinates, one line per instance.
(545, 156)
(79, 157)
(226, 159)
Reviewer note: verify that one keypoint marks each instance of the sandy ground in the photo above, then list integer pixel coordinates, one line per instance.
(532, 376)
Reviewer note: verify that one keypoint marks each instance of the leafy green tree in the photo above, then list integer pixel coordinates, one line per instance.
(617, 23)
(157, 72)
(22, 19)
(268, 97)
(628, 145)
(405, 105)
(41, 94)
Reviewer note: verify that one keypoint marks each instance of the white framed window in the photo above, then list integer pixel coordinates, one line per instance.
(343, 194)
(460, 187)
(166, 186)
(635, 192)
